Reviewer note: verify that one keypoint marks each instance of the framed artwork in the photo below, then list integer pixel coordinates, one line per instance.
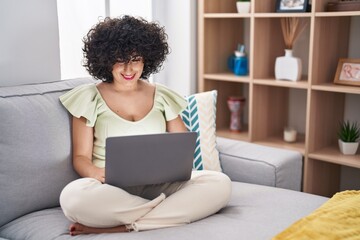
(291, 5)
(348, 72)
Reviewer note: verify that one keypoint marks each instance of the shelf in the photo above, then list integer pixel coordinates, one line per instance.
(330, 87)
(303, 84)
(278, 142)
(227, 15)
(337, 14)
(227, 77)
(281, 15)
(226, 133)
(314, 105)
(332, 154)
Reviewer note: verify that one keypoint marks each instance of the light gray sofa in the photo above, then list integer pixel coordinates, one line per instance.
(35, 150)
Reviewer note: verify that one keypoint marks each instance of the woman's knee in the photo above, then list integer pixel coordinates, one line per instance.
(218, 182)
(74, 194)
(215, 186)
(222, 184)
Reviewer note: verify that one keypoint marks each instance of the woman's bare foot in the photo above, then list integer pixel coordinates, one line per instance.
(77, 229)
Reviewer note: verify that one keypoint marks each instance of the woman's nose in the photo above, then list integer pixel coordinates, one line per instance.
(127, 67)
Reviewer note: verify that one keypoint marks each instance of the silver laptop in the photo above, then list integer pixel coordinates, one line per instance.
(149, 159)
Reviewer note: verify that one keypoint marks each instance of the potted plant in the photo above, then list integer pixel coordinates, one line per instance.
(349, 135)
(243, 6)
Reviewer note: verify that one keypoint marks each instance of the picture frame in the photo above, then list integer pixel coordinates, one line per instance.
(348, 72)
(291, 5)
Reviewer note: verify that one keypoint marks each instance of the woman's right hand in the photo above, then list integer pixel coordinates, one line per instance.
(98, 173)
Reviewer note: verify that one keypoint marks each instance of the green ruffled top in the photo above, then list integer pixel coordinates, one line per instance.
(86, 101)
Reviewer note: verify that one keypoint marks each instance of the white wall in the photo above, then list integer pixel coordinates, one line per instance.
(179, 19)
(29, 43)
(76, 17)
(141, 8)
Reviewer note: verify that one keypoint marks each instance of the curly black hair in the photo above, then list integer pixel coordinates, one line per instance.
(122, 39)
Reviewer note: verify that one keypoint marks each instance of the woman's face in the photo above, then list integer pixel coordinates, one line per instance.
(128, 72)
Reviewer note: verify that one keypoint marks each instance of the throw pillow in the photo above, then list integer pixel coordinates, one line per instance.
(200, 117)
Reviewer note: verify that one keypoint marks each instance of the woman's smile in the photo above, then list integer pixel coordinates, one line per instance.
(128, 77)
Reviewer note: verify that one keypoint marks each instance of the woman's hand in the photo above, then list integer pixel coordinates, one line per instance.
(98, 173)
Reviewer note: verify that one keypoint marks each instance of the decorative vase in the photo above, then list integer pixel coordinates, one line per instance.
(243, 7)
(236, 106)
(288, 67)
(348, 148)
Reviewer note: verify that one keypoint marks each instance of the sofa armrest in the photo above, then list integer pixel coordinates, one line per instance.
(257, 164)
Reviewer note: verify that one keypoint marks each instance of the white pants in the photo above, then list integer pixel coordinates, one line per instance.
(91, 203)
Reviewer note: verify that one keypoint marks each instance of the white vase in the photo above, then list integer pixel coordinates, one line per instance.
(243, 7)
(288, 67)
(348, 148)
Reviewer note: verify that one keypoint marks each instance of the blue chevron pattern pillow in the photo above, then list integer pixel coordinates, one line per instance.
(200, 117)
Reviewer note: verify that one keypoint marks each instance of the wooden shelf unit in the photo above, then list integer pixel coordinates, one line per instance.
(221, 28)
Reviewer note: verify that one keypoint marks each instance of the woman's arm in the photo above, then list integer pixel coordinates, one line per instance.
(82, 137)
(176, 125)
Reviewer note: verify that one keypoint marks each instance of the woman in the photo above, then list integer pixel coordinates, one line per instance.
(123, 52)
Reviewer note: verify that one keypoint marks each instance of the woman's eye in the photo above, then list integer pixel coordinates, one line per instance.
(138, 59)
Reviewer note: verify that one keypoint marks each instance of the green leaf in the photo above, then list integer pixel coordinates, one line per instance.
(349, 132)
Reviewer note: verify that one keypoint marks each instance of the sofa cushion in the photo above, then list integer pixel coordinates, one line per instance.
(254, 212)
(32, 176)
(200, 117)
(254, 163)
